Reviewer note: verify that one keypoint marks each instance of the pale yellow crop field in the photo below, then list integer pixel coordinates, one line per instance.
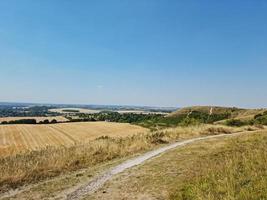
(19, 138)
(38, 119)
(81, 110)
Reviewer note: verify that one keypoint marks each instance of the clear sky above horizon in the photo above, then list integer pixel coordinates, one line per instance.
(134, 52)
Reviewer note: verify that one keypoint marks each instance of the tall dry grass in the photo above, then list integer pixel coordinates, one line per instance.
(34, 166)
(237, 171)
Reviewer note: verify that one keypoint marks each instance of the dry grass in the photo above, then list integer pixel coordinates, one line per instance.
(19, 138)
(218, 169)
(38, 119)
(37, 165)
(202, 129)
(237, 171)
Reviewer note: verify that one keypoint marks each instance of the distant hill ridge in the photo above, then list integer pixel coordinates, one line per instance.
(235, 113)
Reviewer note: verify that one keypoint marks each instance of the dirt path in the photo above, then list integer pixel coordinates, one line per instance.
(99, 181)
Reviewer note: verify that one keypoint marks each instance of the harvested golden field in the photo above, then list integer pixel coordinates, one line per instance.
(19, 138)
(38, 119)
(71, 110)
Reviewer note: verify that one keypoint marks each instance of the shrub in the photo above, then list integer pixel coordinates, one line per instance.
(54, 121)
(260, 119)
(46, 121)
(236, 122)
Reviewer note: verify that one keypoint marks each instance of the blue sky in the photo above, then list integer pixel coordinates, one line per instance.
(134, 52)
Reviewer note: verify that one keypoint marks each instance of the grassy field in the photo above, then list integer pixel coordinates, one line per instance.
(218, 169)
(18, 138)
(236, 171)
(38, 119)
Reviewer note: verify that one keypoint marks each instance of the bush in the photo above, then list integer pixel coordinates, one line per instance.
(46, 121)
(260, 119)
(54, 121)
(236, 122)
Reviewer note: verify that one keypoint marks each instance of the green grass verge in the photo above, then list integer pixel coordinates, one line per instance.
(236, 171)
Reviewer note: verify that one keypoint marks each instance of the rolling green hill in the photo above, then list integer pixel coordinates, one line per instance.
(216, 114)
(237, 113)
(207, 110)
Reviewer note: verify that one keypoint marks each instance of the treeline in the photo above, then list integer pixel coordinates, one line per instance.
(29, 121)
(71, 111)
(21, 121)
(116, 117)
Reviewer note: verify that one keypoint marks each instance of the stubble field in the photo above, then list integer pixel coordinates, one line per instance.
(18, 138)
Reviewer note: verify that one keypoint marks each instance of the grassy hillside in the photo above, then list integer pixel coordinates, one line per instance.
(207, 110)
(237, 113)
(236, 171)
(208, 114)
(219, 169)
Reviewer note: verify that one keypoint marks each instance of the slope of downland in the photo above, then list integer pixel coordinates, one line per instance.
(230, 168)
(224, 112)
(78, 161)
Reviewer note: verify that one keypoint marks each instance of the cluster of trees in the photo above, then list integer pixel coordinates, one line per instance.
(46, 121)
(35, 111)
